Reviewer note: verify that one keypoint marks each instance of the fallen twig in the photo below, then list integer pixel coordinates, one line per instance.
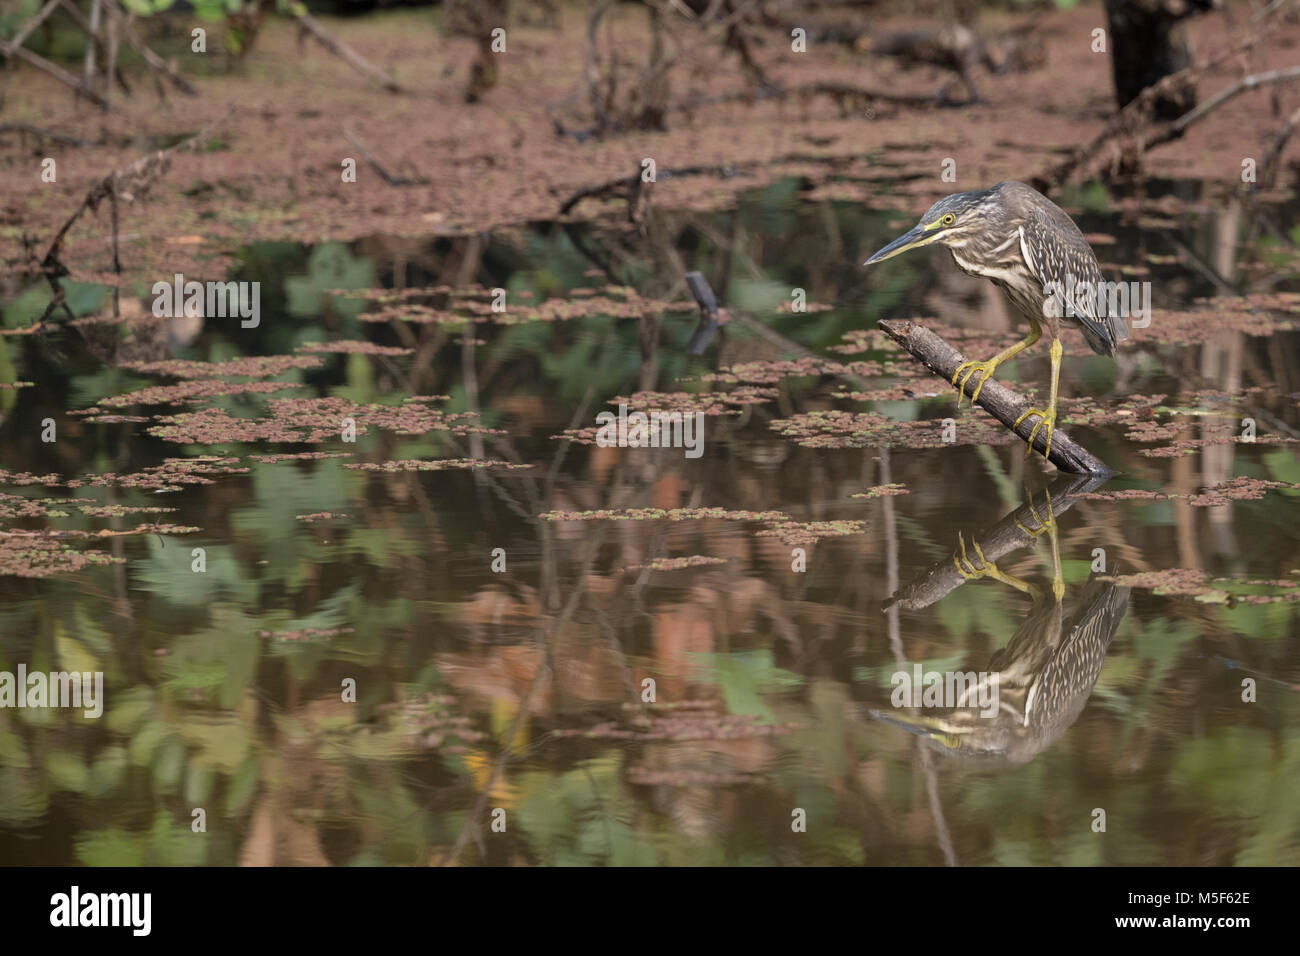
(1269, 164)
(627, 184)
(15, 49)
(995, 398)
(58, 137)
(127, 183)
(340, 49)
(374, 164)
(155, 62)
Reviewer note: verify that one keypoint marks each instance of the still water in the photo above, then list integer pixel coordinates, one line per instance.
(505, 665)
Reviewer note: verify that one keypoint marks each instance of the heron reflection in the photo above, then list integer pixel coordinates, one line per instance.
(1046, 672)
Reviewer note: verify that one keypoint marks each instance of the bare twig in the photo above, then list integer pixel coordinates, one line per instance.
(92, 28)
(349, 56)
(128, 183)
(1134, 120)
(624, 185)
(1269, 164)
(30, 26)
(156, 63)
(374, 164)
(14, 48)
(58, 137)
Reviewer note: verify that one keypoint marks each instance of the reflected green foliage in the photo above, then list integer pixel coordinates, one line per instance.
(225, 689)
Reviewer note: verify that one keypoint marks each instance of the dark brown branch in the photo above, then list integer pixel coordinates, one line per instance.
(996, 399)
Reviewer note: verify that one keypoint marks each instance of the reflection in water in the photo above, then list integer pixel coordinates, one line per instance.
(1042, 679)
(524, 689)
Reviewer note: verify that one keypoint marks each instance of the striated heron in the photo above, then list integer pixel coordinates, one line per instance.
(1045, 675)
(1026, 244)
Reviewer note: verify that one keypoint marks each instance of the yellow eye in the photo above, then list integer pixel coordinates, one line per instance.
(948, 220)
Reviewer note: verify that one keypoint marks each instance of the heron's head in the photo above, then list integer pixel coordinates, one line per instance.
(950, 221)
(962, 733)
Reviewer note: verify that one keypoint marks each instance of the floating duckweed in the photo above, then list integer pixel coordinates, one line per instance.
(437, 464)
(676, 564)
(882, 491)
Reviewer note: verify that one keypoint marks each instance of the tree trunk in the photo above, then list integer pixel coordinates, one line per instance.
(1149, 42)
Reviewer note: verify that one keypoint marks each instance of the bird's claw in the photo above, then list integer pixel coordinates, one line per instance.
(986, 372)
(1047, 524)
(1047, 418)
(1044, 524)
(965, 566)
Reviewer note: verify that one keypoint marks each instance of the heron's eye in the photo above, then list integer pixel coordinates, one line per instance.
(948, 220)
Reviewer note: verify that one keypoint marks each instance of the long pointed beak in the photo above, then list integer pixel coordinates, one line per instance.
(920, 726)
(914, 238)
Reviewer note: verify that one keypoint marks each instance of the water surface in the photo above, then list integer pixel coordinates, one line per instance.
(522, 689)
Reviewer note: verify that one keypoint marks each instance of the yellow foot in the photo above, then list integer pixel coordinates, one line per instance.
(987, 569)
(1047, 418)
(986, 372)
(1047, 525)
(965, 567)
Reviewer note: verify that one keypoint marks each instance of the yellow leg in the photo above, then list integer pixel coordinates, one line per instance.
(986, 368)
(1047, 417)
(1048, 525)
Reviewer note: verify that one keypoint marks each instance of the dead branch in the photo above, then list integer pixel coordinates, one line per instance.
(28, 128)
(92, 28)
(340, 49)
(156, 63)
(995, 398)
(14, 48)
(1252, 82)
(646, 106)
(127, 184)
(627, 186)
(1269, 164)
(96, 44)
(374, 164)
(30, 26)
(1135, 121)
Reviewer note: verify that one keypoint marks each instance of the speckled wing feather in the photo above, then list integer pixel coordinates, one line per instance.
(1064, 685)
(1050, 260)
